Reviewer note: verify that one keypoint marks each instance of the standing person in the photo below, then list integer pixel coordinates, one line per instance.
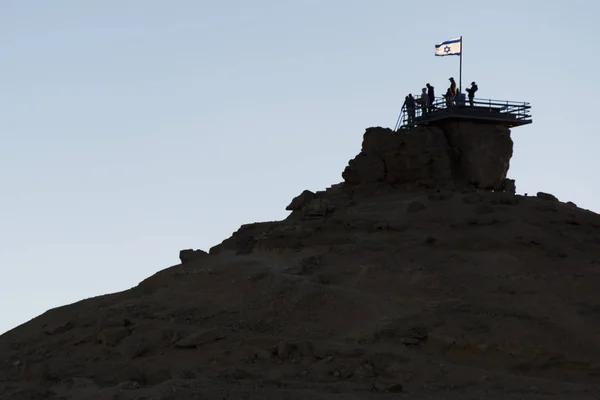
(471, 92)
(424, 101)
(448, 97)
(453, 90)
(431, 96)
(409, 103)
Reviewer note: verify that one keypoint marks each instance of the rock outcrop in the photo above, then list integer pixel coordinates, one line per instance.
(546, 196)
(452, 154)
(417, 157)
(189, 255)
(300, 201)
(509, 186)
(481, 153)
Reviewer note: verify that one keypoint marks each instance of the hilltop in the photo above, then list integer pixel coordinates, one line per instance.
(422, 275)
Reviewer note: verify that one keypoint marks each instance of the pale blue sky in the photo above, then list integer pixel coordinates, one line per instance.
(131, 129)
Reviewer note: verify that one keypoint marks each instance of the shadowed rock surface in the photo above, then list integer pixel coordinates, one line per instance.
(452, 154)
(401, 282)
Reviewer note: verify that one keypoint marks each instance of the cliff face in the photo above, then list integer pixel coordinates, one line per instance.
(481, 153)
(403, 278)
(453, 155)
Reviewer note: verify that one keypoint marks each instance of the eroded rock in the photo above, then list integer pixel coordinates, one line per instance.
(300, 201)
(200, 338)
(546, 196)
(458, 153)
(481, 152)
(418, 157)
(58, 328)
(189, 255)
(509, 186)
(113, 336)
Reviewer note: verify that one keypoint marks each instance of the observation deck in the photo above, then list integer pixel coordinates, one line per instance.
(498, 112)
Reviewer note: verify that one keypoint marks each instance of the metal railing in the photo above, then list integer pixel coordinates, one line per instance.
(517, 113)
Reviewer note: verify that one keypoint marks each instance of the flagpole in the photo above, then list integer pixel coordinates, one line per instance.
(460, 73)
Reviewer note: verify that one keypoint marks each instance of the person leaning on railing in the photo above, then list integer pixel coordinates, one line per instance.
(423, 101)
(471, 92)
(431, 96)
(449, 96)
(409, 103)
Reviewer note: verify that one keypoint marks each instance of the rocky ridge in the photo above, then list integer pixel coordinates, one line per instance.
(421, 276)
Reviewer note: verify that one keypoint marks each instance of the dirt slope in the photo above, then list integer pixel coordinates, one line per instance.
(391, 294)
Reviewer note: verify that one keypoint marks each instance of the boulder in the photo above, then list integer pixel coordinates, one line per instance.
(300, 201)
(190, 255)
(509, 186)
(546, 196)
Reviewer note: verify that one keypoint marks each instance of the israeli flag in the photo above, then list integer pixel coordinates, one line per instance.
(451, 47)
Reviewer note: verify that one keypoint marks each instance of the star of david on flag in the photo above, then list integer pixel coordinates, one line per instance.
(451, 47)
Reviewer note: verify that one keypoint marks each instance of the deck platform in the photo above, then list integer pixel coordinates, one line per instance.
(505, 113)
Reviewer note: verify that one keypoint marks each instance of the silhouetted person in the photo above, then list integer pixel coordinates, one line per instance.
(471, 92)
(453, 87)
(405, 105)
(448, 96)
(431, 96)
(409, 103)
(452, 90)
(424, 101)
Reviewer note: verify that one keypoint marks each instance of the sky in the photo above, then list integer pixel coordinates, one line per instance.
(132, 129)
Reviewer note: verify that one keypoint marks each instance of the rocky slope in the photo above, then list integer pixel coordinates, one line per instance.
(404, 281)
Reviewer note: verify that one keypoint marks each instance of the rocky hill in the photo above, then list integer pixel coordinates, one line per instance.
(421, 276)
